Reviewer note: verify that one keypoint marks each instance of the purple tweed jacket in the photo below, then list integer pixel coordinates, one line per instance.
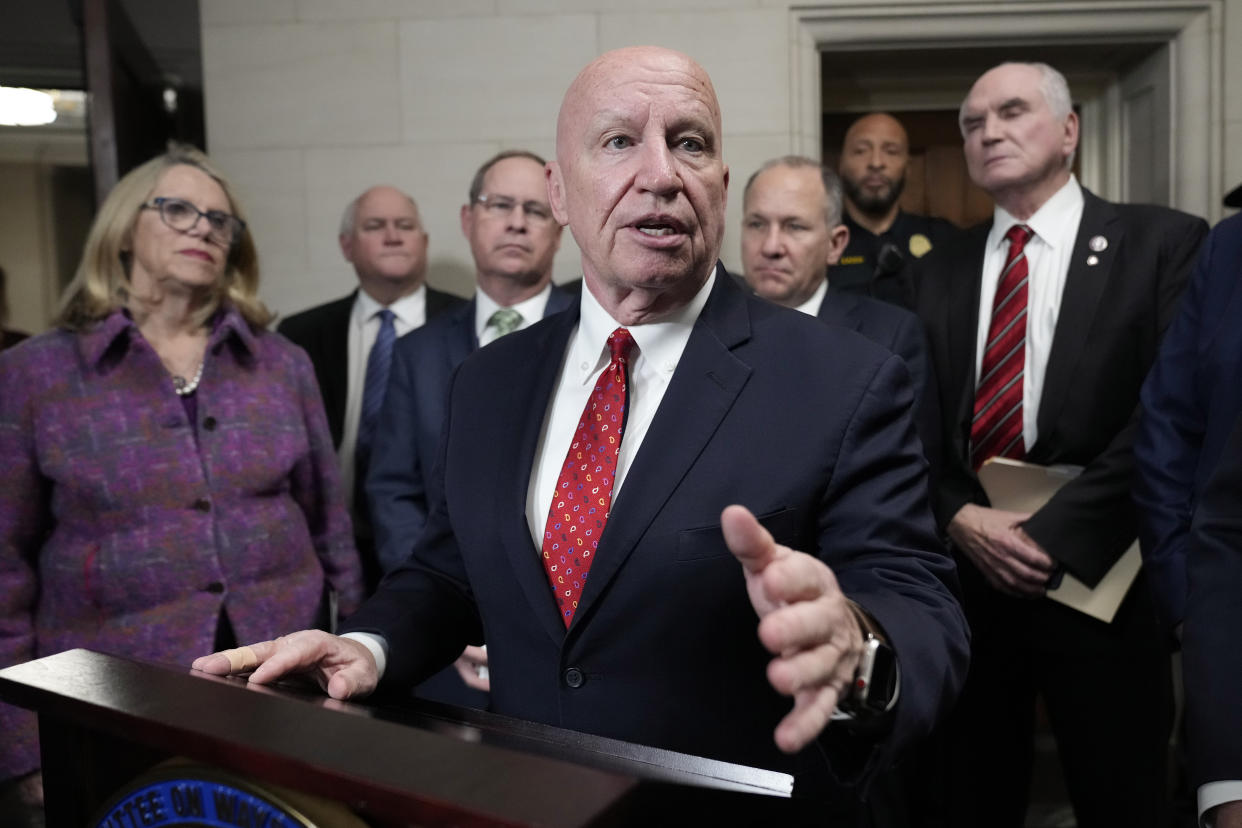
(122, 531)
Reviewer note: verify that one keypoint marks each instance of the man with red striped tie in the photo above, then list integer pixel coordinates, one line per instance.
(1043, 324)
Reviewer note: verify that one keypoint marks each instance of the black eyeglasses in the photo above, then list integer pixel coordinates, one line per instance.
(222, 228)
(499, 206)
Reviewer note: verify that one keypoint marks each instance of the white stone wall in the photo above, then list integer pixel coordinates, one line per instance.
(311, 101)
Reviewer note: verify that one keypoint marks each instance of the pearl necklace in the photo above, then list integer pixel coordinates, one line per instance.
(183, 388)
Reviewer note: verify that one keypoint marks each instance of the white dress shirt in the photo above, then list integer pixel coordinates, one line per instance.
(409, 313)
(659, 346)
(811, 306)
(658, 350)
(1048, 255)
(531, 311)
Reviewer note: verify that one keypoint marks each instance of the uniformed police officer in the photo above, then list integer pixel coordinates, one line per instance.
(883, 238)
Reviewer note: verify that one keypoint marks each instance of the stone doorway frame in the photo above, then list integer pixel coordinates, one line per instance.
(1192, 29)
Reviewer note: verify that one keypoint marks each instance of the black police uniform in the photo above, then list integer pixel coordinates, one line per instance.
(879, 266)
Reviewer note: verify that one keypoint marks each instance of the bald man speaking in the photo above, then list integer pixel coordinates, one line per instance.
(667, 529)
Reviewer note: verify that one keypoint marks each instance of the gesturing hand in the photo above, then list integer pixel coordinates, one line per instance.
(805, 620)
(342, 667)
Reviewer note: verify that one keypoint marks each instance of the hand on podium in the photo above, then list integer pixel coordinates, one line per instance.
(472, 667)
(342, 667)
(804, 619)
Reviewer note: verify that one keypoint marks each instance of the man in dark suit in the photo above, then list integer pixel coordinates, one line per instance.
(1211, 658)
(658, 644)
(1188, 495)
(1190, 402)
(792, 238)
(382, 236)
(1043, 325)
(513, 237)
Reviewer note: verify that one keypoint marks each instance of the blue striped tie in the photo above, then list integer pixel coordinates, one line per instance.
(373, 388)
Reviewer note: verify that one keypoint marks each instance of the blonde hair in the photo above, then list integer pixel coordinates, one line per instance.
(101, 283)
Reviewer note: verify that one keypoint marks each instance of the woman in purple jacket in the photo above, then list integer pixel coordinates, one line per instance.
(167, 480)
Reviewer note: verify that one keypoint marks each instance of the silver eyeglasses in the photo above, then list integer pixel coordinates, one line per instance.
(499, 206)
(222, 228)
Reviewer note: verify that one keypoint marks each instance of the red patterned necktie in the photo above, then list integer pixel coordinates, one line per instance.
(583, 495)
(996, 430)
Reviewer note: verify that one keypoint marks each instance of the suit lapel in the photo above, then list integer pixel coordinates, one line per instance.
(462, 340)
(335, 359)
(531, 384)
(963, 327)
(558, 300)
(839, 309)
(704, 387)
(1084, 286)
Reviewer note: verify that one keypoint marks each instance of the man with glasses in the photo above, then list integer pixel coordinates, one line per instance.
(513, 238)
(382, 236)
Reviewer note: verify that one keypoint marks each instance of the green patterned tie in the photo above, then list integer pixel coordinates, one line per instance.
(505, 321)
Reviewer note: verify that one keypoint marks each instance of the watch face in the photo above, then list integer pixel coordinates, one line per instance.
(883, 689)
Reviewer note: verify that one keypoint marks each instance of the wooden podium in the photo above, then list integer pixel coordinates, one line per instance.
(104, 720)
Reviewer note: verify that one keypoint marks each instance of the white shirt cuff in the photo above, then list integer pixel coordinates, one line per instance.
(1217, 793)
(377, 644)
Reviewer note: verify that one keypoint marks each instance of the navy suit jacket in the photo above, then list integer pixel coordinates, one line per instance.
(663, 647)
(408, 435)
(1190, 403)
(901, 332)
(323, 332)
(1113, 313)
(1211, 657)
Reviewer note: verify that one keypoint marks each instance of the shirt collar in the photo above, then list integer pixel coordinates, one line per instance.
(404, 308)
(531, 309)
(660, 344)
(226, 323)
(811, 306)
(1054, 223)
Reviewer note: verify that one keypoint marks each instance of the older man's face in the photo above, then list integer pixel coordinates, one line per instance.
(639, 176)
(1013, 140)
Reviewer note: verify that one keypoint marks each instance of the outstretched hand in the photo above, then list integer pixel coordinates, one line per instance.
(342, 667)
(804, 620)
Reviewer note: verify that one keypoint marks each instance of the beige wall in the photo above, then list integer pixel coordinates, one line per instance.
(25, 250)
(311, 101)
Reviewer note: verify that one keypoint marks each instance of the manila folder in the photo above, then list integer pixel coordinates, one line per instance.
(1024, 487)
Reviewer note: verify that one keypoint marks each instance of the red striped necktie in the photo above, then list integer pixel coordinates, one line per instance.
(996, 430)
(583, 498)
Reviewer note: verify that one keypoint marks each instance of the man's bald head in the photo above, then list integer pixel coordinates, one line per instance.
(639, 178)
(874, 156)
(382, 236)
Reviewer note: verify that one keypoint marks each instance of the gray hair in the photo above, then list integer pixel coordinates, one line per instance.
(833, 196)
(350, 217)
(1052, 85)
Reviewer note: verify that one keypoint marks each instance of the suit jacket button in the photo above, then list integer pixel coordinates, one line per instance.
(574, 678)
(215, 587)
(209, 423)
(203, 504)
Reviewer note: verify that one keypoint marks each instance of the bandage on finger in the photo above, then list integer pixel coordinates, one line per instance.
(241, 659)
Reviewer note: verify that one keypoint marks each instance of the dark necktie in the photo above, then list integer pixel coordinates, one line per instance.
(583, 497)
(996, 430)
(373, 388)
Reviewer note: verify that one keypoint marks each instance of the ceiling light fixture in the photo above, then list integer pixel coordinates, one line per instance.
(25, 107)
